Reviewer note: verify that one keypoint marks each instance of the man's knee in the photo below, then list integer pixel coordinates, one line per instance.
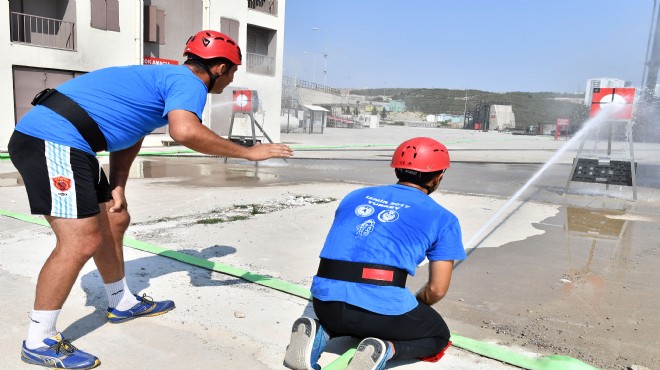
(120, 220)
(90, 245)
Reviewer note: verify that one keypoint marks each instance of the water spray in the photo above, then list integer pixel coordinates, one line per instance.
(605, 113)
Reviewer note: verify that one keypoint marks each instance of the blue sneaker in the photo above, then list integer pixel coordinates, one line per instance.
(308, 339)
(59, 353)
(371, 354)
(146, 307)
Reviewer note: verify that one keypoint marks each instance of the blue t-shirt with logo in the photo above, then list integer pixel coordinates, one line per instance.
(394, 225)
(126, 102)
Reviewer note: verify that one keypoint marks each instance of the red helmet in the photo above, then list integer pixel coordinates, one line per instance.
(421, 154)
(213, 44)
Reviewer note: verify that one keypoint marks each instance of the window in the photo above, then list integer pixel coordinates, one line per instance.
(266, 6)
(261, 47)
(154, 25)
(105, 14)
(229, 27)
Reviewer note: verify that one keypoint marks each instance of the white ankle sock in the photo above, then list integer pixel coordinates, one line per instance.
(42, 326)
(119, 296)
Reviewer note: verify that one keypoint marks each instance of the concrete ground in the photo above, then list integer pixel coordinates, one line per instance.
(573, 275)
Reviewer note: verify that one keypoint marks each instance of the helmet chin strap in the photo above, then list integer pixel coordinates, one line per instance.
(212, 77)
(429, 189)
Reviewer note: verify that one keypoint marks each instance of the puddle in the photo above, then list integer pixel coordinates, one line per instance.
(607, 224)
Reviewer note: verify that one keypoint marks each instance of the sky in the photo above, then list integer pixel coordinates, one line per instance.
(491, 45)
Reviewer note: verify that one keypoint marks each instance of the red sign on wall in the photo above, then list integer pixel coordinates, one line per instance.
(152, 60)
(624, 96)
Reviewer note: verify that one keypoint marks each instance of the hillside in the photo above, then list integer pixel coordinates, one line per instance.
(529, 108)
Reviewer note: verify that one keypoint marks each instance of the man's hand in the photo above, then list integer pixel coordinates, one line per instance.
(185, 128)
(118, 200)
(260, 152)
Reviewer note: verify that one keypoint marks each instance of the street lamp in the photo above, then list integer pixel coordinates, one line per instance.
(325, 53)
(313, 64)
(465, 106)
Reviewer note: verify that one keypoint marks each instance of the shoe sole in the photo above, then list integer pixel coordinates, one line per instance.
(120, 320)
(369, 354)
(32, 362)
(299, 352)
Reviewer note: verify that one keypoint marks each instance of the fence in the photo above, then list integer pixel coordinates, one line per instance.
(258, 63)
(42, 31)
(265, 6)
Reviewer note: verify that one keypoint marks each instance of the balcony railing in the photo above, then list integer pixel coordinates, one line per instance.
(265, 6)
(262, 64)
(42, 31)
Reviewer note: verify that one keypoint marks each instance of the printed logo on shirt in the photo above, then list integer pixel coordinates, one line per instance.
(364, 210)
(365, 228)
(388, 216)
(382, 203)
(62, 183)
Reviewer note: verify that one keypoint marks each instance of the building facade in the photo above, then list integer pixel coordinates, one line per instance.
(47, 42)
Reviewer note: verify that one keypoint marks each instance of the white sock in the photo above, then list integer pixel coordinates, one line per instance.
(119, 296)
(42, 326)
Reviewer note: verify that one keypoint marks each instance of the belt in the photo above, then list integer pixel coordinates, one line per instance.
(74, 113)
(360, 272)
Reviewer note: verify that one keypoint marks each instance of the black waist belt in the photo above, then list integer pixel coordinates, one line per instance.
(69, 109)
(358, 272)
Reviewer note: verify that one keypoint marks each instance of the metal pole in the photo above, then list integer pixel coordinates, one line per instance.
(632, 161)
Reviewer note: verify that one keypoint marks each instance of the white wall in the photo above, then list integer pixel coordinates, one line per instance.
(94, 49)
(97, 49)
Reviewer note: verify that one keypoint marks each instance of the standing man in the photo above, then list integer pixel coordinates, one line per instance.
(379, 236)
(54, 146)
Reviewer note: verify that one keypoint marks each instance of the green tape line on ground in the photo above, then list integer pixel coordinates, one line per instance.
(493, 351)
(553, 362)
(341, 362)
(276, 284)
(19, 216)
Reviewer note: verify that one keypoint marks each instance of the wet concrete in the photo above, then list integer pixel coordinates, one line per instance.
(587, 287)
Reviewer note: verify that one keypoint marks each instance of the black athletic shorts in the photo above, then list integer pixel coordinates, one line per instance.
(60, 181)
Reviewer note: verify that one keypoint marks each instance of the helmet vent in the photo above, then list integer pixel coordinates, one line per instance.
(206, 41)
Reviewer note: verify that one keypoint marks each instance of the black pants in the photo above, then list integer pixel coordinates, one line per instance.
(418, 333)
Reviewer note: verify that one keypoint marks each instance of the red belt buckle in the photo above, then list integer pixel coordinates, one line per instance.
(377, 274)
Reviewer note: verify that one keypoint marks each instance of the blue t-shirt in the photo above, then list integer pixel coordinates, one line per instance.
(394, 225)
(126, 102)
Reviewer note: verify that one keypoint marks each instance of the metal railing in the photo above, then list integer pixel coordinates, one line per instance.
(259, 63)
(42, 31)
(291, 81)
(265, 6)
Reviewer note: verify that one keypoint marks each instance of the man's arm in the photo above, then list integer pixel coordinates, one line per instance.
(120, 165)
(438, 284)
(186, 129)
